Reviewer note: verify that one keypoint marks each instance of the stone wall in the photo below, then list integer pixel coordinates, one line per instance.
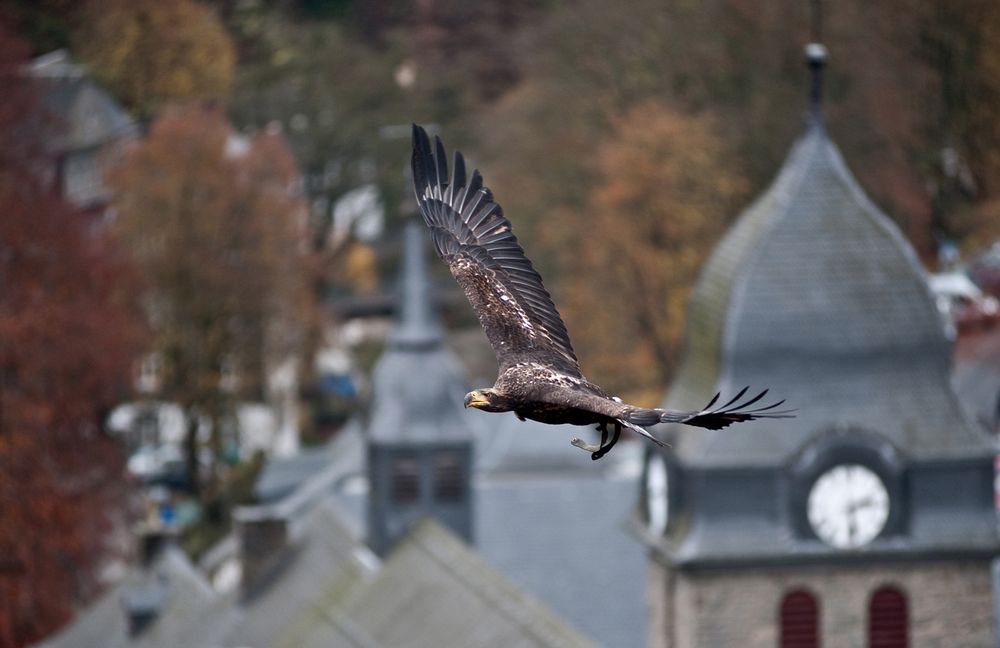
(950, 604)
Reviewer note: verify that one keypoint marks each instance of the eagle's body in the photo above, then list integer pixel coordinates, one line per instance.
(539, 376)
(543, 394)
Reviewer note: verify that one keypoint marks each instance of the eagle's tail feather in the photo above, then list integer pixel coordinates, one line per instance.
(638, 430)
(727, 414)
(713, 418)
(642, 416)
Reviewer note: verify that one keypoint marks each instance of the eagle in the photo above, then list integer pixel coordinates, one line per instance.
(539, 377)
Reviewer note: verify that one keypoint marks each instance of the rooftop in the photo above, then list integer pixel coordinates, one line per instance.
(815, 294)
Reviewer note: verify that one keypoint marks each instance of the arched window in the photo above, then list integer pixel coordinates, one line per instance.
(799, 621)
(887, 619)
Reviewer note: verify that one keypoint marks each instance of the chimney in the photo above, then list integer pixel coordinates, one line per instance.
(142, 605)
(151, 539)
(264, 543)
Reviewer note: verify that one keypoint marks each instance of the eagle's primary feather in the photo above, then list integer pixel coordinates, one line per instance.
(539, 376)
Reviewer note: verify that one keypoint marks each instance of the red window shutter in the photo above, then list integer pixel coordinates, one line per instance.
(887, 619)
(799, 621)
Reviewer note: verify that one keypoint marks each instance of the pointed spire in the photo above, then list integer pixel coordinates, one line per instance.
(816, 59)
(416, 321)
(816, 55)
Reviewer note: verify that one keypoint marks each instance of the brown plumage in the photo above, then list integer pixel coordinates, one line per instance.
(539, 376)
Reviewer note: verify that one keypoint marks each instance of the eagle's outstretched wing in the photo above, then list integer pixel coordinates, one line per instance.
(474, 238)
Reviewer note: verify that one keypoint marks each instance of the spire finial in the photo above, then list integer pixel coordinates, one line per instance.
(816, 59)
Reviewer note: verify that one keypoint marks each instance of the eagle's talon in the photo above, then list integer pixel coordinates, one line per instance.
(583, 445)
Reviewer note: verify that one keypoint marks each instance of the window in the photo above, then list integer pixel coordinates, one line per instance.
(799, 621)
(405, 481)
(887, 619)
(447, 478)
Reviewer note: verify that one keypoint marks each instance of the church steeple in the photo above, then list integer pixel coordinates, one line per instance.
(419, 442)
(815, 293)
(815, 285)
(416, 322)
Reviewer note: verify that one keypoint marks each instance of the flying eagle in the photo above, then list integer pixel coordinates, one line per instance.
(539, 377)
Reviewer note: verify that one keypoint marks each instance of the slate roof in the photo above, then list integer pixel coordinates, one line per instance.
(417, 384)
(89, 116)
(815, 294)
(560, 535)
(340, 457)
(434, 591)
(325, 565)
(190, 612)
(332, 592)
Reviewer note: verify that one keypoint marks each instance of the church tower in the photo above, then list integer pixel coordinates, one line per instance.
(868, 519)
(419, 445)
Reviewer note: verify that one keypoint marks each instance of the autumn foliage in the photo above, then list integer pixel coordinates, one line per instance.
(215, 221)
(666, 187)
(68, 332)
(154, 52)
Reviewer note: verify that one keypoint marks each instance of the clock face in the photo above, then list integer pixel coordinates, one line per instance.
(848, 506)
(657, 506)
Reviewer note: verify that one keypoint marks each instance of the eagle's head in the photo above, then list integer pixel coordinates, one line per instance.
(488, 400)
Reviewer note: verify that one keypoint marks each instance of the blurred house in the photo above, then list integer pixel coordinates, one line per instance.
(153, 433)
(866, 520)
(86, 132)
(963, 305)
(976, 375)
(985, 270)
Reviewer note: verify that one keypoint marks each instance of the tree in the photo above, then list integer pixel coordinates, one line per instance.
(339, 79)
(958, 44)
(69, 330)
(215, 222)
(333, 93)
(151, 53)
(42, 24)
(666, 189)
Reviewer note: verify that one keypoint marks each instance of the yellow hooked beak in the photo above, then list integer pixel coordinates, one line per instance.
(475, 399)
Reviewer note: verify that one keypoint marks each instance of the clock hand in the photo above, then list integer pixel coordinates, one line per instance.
(865, 502)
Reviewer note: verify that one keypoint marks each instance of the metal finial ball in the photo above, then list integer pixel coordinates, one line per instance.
(816, 53)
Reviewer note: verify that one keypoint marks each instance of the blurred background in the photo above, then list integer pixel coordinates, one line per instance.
(231, 383)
